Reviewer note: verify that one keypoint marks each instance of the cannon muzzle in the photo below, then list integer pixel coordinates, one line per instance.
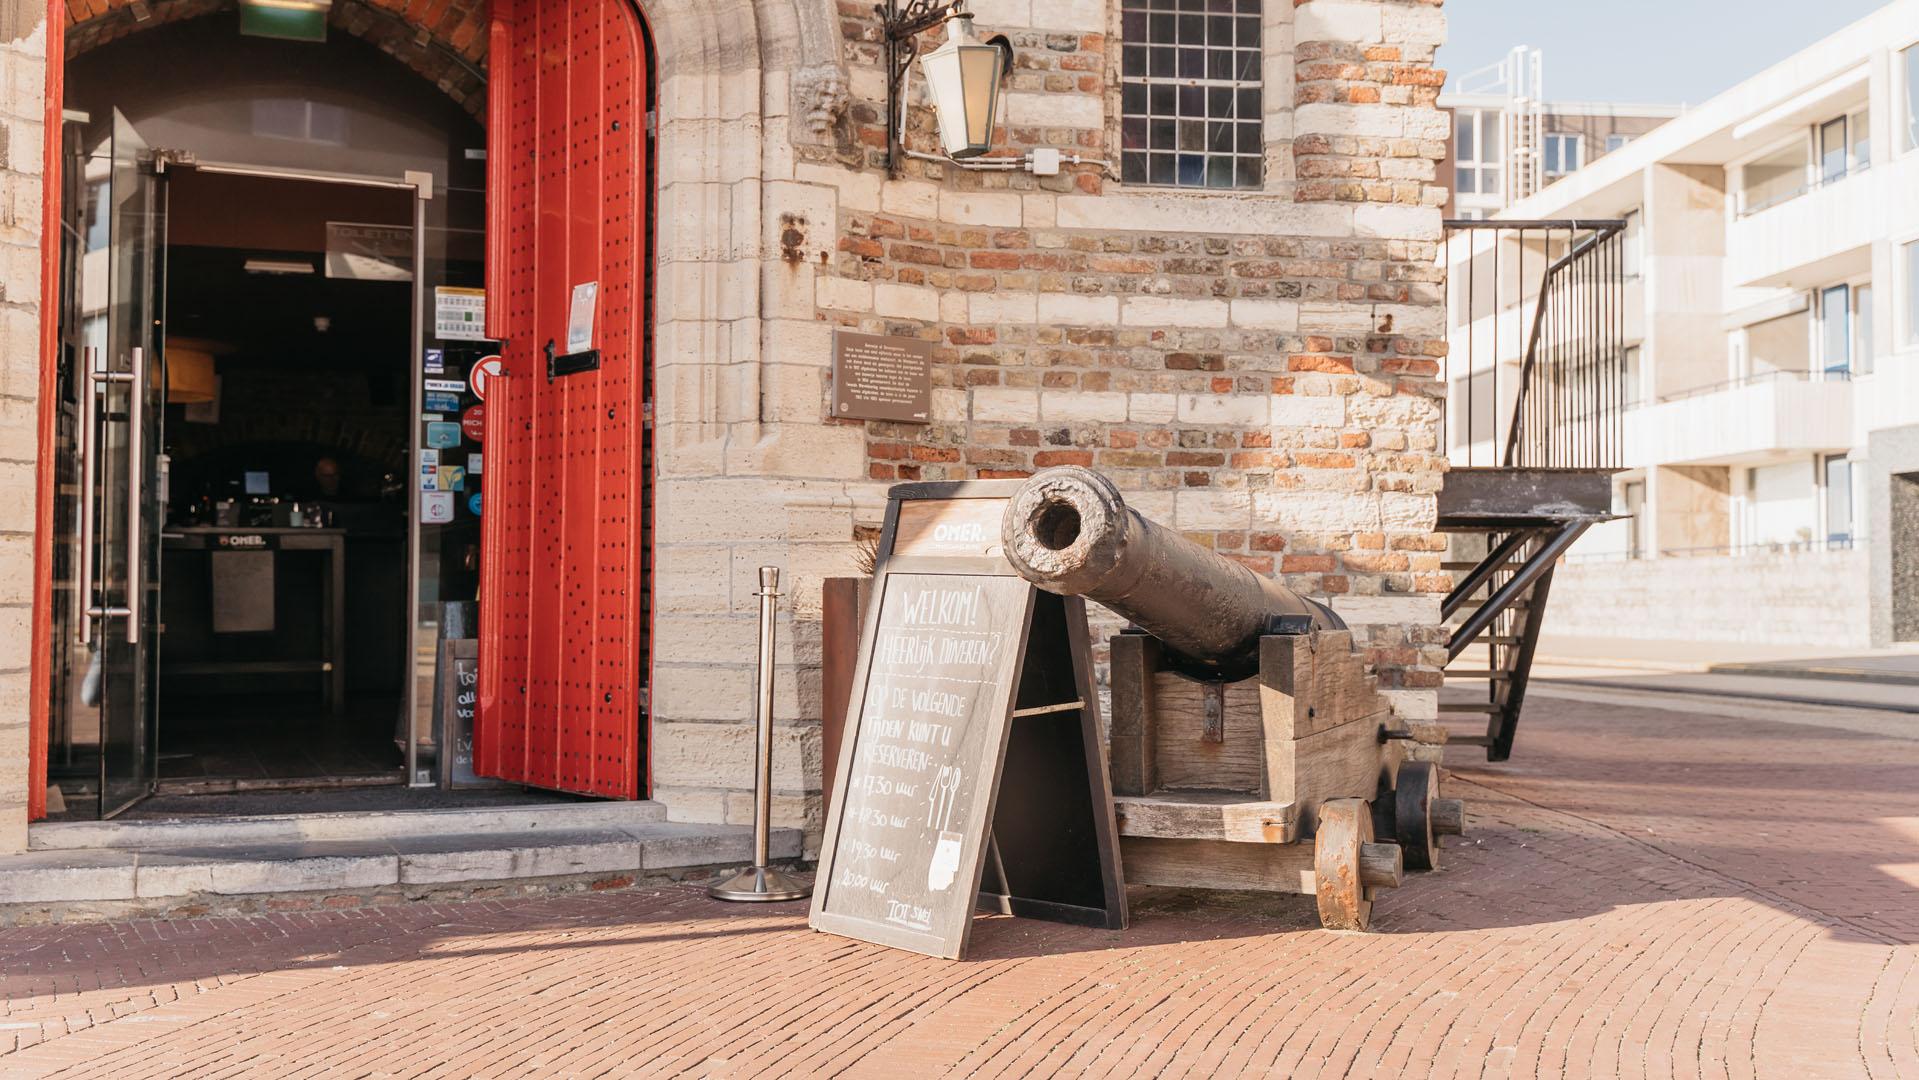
(1068, 531)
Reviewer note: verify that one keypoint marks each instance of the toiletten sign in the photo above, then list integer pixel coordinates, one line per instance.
(357, 252)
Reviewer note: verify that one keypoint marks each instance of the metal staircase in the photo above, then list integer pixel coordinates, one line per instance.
(1511, 522)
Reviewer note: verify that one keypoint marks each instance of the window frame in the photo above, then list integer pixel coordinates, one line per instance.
(1189, 100)
(1906, 63)
(1485, 122)
(1561, 139)
(1823, 363)
(1824, 478)
(1864, 339)
(1906, 273)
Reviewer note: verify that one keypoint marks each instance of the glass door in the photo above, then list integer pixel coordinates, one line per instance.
(113, 318)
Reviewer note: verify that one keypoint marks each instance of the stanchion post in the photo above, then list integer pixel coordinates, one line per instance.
(758, 882)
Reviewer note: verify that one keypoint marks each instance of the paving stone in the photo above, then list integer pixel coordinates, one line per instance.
(1641, 892)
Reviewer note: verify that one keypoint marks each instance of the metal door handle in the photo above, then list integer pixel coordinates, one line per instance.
(89, 416)
(90, 476)
(136, 481)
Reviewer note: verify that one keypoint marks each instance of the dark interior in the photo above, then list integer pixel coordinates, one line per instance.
(312, 368)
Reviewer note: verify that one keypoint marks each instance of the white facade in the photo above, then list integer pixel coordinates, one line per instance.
(1508, 141)
(1772, 309)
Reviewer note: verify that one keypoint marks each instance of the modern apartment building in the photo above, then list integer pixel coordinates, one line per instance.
(1508, 141)
(1769, 401)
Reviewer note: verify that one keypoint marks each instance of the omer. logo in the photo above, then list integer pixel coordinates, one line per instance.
(969, 533)
(243, 541)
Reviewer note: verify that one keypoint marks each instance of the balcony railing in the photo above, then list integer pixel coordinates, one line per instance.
(1770, 198)
(1757, 378)
(1566, 278)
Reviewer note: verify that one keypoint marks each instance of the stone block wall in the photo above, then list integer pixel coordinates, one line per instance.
(23, 54)
(1815, 599)
(1255, 367)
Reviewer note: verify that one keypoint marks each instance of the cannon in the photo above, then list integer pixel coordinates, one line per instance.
(1068, 531)
(1244, 722)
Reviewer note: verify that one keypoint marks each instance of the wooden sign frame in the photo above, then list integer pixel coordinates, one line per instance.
(1046, 845)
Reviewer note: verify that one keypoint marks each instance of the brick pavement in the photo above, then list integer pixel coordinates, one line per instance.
(1644, 893)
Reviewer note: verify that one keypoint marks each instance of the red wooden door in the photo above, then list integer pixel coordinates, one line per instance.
(563, 619)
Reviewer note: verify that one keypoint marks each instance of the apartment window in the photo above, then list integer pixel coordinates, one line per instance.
(1909, 66)
(1832, 150)
(1633, 375)
(1844, 146)
(1190, 98)
(1835, 331)
(1617, 142)
(1563, 155)
(1774, 178)
(1862, 343)
(1476, 152)
(1911, 261)
(1837, 472)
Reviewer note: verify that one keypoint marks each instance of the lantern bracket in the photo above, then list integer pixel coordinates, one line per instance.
(902, 27)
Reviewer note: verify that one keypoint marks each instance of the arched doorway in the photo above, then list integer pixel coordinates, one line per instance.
(271, 326)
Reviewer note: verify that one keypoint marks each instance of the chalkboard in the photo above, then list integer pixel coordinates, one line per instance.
(454, 695)
(962, 662)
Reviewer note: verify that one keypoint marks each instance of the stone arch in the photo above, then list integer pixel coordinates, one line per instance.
(739, 82)
(448, 49)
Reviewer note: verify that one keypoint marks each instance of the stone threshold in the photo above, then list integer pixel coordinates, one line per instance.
(84, 867)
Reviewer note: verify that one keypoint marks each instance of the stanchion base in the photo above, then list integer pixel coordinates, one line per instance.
(759, 884)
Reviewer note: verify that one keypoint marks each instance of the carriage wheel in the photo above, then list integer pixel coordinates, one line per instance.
(1348, 865)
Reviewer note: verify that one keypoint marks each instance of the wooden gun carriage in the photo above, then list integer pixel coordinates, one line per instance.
(1244, 723)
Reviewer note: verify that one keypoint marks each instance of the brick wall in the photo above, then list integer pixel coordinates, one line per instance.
(23, 51)
(444, 41)
(1256, 368)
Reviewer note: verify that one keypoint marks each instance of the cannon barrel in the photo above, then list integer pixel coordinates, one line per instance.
(1068, 531)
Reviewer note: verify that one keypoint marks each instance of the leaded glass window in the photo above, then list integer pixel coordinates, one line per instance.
(1190, 108)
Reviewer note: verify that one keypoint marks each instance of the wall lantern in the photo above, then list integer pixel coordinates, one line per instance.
(963, 76)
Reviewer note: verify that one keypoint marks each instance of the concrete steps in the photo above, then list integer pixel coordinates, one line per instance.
(302, 828)
(106, 862)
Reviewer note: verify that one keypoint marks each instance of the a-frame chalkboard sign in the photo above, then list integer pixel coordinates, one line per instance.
(972, 773)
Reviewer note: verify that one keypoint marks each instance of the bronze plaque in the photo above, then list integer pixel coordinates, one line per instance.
(876, 377)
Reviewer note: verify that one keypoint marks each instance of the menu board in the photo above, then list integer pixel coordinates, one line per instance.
(926, 753)
(972, 772)
(454, 700)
